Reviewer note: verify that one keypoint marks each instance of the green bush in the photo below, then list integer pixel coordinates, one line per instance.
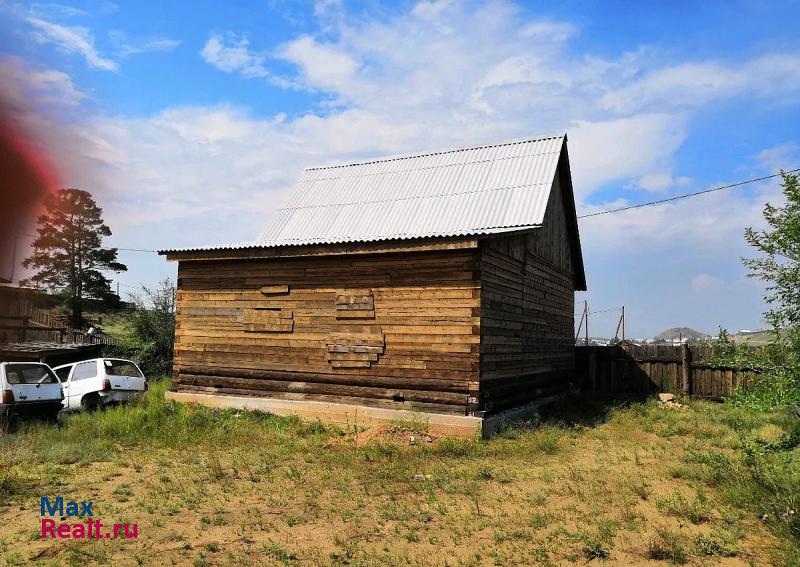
(150, 341)
(778, 384)
(776, 388)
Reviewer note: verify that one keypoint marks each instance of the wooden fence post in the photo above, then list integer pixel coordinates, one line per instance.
(686, 369)
(593, 368)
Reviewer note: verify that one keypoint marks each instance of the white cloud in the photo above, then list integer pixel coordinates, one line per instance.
(550, 31)
(784, 157)
(204, 125)
(125, 46)
(323, 7)
(230, 53)
(57, 11)
(603, 151)
(322, 66)
(430, 9)
(60, 86)
(695, 83)
(40, 85)
(704, 223)
(659, 181)
(72, 39)
(706, 283)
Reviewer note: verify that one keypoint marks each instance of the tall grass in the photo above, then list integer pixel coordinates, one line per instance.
(761, 477)
(156, 423)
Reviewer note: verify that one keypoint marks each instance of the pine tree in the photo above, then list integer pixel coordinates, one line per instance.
(68, 255)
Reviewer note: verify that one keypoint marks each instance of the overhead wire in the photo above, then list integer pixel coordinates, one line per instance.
(687, 195)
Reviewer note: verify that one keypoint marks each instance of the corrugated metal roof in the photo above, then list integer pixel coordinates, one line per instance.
(469, 191)
(458, 192)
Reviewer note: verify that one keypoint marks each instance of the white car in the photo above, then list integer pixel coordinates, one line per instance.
(29, 388)
(93, 384)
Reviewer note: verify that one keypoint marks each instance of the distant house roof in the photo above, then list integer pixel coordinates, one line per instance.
(461, 192)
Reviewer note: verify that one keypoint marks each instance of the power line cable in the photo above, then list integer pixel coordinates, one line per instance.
(124, 249)
(687, 195)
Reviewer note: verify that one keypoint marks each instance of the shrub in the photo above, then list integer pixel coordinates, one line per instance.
(778, 384)
(152, 337)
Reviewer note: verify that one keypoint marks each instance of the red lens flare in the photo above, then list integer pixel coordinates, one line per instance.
(26, 177)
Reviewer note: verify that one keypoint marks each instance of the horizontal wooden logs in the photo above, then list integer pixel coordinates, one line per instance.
(403, 321)
(322, 388)
(266, 320)
(527, 305)
(319, 377)
(274, 289)
(495, 323)
(372, 402)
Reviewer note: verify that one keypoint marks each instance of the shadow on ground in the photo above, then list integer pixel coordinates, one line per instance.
(587, 409)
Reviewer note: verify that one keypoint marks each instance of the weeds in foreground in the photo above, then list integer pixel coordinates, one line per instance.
(696, 510)
(667, 546)
(717, 543)
(279, 553)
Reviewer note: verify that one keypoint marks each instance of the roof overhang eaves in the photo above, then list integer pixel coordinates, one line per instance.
(325, 249)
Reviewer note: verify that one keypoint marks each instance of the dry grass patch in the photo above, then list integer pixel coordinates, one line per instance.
(234, 488)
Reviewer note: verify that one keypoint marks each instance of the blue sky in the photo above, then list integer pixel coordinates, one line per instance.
(190, 120)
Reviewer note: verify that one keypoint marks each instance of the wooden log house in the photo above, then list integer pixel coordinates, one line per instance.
(438, 286)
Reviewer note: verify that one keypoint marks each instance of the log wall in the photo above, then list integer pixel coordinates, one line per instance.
(389, 330)
(527, 306)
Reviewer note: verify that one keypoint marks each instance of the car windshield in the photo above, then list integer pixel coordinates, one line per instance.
(30, 374)
(63, 373)
(122, 368)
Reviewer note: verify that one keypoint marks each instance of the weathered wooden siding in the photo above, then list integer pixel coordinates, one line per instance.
(527, 306)
(389, 330)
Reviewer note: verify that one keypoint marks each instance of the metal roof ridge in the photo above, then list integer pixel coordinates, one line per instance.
(437, 166)
(399, 157)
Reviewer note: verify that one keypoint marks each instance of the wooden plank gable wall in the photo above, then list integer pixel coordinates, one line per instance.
(390, 330)
(527, 312)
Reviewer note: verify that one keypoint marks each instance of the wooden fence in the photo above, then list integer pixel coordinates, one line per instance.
(40, 327)
(634, 369)
(24, 318)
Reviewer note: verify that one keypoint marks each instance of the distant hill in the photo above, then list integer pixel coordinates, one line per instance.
(753, 338)
(677, 333)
